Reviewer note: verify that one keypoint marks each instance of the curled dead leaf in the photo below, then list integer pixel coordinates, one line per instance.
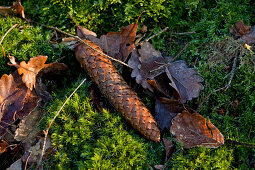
(18, 98)
(240, 29)
(3, 147)
(168, 147)
(16, 7)
(193, 130)
(184, 80)
(166, 109)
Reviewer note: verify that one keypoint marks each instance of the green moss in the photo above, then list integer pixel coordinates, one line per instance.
(85, 138)
(202, 158)
(24, 41)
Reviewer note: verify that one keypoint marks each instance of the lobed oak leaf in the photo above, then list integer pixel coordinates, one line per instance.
(30, 70)
(16, 100)
(184, 80)
(240, 29)
(144, 62)
(245, 32)
(115, 44)
(250, 37)
(193, 130)
(120, 44)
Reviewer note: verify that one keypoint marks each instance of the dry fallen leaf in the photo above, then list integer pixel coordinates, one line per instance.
(15, 98)
(153, 71)
(5, 10)
(240, 29)
(34, 152)
(184, 80)
(18, 99)
(3, 147)
(115, 44)
(168, 147)
(31, 69)
(250, 37)
(145, 62)
(193, 130)
(17, 165)
(245, 32)
(84, 33)
(16, 7)
(166, 109)
(120, 44)
(36, 65)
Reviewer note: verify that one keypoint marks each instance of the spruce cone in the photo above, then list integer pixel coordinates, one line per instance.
(114, 87)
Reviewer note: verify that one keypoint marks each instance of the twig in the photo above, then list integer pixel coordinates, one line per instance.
(7, 33)
(73, 19)
(47, 131)
(231, 76)
(164, 65)
(152, 36)
(223, 88)
(3, 50)
(180, 52)
(201, 104)
(234, 142)
(184, 33)
(81, 40)
(28, 159)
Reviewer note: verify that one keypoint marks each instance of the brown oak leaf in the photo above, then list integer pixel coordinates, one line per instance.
(16, 100)
(120, 44)
(184, 80)
(3, 147)
(30, 70)
(166, 109)
(245, 32)
(168, 147)
(16, 7)
(240, 29)
(145, 62)
(250, 37)
(193, 130)
(115, 44)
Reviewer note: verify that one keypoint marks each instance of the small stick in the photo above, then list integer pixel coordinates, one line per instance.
(3, 49)
(163, 65)
(234, 142)
(180, 52)
(222, 88)
(231, 76)
(81, 40)
(184, 33)
(73, 19)
(152, 36)
(28, 159)
(8, 32)
(47, 131)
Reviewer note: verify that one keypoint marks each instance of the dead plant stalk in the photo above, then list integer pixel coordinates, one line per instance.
(47, 130)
